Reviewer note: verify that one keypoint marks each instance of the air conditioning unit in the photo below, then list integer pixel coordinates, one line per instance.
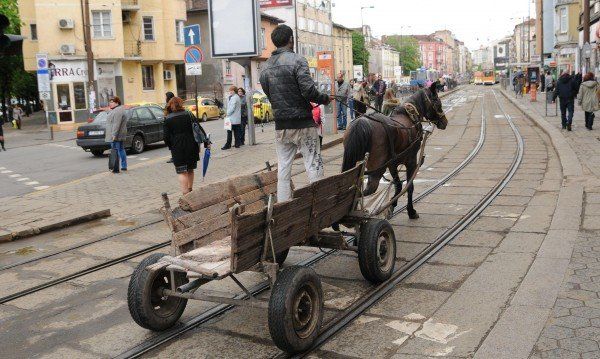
(126, 17)
(67, 49)
(66, 23)
(168, 75)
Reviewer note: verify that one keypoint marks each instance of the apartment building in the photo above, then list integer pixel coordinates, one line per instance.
(342, 50)
(137, 45)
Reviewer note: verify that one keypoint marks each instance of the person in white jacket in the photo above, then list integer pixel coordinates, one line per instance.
(233, 118)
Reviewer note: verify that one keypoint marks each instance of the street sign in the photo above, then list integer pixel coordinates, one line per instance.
(193, 69)
(42, 61)
(193, 55)
(43, 76)
(192, 35)
(44, 95)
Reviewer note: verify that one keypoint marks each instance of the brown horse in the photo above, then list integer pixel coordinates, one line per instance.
(392, 141)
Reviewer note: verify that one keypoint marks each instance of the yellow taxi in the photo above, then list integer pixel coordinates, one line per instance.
(262, 108)
(207, 108)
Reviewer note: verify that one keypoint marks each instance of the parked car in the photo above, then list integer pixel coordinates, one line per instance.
(144, 126)
(262, 108)
(207, 108)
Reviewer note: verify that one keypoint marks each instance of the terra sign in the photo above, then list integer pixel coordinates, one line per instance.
(68, 71)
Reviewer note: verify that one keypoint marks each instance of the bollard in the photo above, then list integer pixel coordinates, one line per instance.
(52, 133)
(533, 93)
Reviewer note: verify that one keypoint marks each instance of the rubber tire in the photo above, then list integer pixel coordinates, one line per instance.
(288, 282)
(97, 153)
(133, 149)
(138, 298)
(367, 250)
(204, 117)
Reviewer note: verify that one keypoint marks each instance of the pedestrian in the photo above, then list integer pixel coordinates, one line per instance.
(389, 102)
(361, 98)
(287, 83)
(351, 99)
(588, 98)
(244, 112)
(342, 92)
(116, 132)
(566, 94)
(17, 115)
(168, 96)
(179, 136)
(577, 81)
(379, 88)
(549, 82)
(233, 119)
(316, 113)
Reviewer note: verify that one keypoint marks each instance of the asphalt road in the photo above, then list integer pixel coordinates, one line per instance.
(36, 167)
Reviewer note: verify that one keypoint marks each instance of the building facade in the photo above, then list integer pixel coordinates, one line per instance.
(382, 59)
(566, 22)
(136, 45)
(593, 63)
(523, 41)
(433, 52)
(342, 50)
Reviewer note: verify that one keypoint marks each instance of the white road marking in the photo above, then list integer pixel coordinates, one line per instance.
(144, 158)
(32, 183)
(439, 332)
(6, 171)
(23, 179)
(39, 188)
(128, 157)
(15, 175)
(2, 168)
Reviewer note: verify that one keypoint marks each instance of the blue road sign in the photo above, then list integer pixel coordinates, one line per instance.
(193, 55)
(192, 35)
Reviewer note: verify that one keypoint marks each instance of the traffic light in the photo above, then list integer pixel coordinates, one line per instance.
(9, 44)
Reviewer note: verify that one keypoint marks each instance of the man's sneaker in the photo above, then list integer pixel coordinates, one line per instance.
(569, 127)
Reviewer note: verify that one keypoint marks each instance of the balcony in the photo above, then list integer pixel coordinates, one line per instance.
(132, 50)
(565, 38)
(130, 5)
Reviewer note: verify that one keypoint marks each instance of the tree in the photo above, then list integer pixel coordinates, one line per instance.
(360, 54)
(408, 48)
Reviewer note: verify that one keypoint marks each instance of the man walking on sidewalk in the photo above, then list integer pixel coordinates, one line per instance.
(565, 91)
(287, 83)
(379, 88)
(342, 92)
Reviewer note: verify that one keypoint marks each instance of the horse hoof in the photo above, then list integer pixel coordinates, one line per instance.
(413, 215)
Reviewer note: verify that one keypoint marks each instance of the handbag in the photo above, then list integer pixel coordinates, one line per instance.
(112, 159)
(199, 134)
(227, 124)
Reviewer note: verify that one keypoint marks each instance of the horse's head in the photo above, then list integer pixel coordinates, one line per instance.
(433, 107)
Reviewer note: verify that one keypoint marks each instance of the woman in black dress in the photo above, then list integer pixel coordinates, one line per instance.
(179, 137)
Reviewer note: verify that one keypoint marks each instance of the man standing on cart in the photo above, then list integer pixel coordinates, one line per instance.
(287, 83)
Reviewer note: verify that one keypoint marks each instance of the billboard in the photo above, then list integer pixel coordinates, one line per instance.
(226, 19)
(275, 3)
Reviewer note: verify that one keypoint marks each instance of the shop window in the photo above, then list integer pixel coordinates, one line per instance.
(148, 77)
(33, 28)
(179, 31)
(148, 26)
(79, 95)
(101, 24)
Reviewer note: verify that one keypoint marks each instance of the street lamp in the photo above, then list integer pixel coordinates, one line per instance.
(362, 22)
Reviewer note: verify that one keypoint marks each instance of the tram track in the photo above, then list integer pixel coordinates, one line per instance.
(165, 337)
(160, 245)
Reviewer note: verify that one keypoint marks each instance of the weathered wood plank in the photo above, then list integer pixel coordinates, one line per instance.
(214, 236)
(194, 233)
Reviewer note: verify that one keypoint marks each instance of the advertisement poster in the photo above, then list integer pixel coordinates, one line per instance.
(275, 3)
(107, 86)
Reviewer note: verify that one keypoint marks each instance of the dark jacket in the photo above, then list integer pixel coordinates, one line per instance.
(286, 81)
(577, 81)
(179, 136)
(565, 88)
(379, 87)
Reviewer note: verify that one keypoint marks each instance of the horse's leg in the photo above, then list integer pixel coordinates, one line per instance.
(397, 183)
(410, 209)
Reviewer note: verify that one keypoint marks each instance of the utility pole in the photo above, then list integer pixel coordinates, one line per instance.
(586, 30)
(541, 32)
(87, 36)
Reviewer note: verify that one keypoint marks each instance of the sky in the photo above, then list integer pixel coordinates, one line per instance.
(475, 22)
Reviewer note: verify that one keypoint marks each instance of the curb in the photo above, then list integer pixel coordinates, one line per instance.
(518, 328)
(49, 227)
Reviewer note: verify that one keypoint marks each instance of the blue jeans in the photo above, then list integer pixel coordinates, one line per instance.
(351, 107)
(341, 115)
(566, 105)
(118, 145)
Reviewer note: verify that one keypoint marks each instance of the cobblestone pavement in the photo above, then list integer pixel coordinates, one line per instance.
(573, 327)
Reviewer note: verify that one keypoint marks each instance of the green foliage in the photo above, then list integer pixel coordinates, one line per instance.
(10, 9)
(408, 47)
(360, 54)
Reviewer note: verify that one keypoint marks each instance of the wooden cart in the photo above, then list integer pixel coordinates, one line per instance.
(233, 226)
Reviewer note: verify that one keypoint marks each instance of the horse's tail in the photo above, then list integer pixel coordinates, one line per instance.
(357, 143)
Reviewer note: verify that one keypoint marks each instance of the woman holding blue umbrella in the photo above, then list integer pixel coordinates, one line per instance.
(179, 137)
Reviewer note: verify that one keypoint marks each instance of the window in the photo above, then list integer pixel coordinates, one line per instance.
(144, 115)
(263, 39)
(319, 27)
(101, 24)
(180, 36)
(79, 94)
(563, 20)
(157, 112)
(301, 23)
(33, 29)
(311, 25)
(148, 77)
(148, 25)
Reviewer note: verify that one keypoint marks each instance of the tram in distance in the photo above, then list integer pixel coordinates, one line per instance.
(478, 78)
(489, 77)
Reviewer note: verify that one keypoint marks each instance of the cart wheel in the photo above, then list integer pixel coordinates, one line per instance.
(296, 309)
(146, 305)
(377, 250)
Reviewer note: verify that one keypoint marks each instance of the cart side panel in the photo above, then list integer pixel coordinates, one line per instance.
(221, 191)
(289, 228)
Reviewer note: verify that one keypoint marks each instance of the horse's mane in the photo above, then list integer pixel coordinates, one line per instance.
(417, 99)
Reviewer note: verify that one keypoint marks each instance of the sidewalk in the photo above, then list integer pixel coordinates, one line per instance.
(34, 131)
(563, 284)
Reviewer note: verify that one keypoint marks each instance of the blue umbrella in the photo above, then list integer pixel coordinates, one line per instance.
(205, 160)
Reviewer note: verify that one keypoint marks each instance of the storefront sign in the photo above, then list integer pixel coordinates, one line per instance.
(275, 3)
(68, 71)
